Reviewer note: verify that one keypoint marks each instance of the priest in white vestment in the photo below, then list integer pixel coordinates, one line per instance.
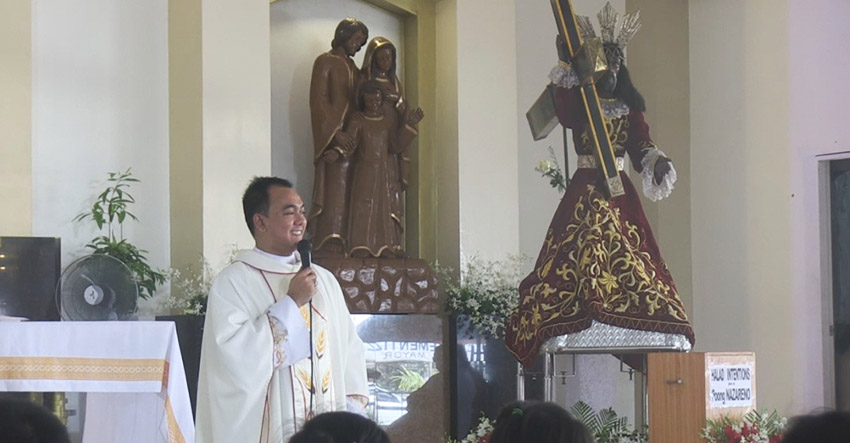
(258, 381)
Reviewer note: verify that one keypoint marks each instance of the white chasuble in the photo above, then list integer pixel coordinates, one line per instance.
(251, 387)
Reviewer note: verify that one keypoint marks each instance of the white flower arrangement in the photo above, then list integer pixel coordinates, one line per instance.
(481, 433)
(487, 293)
(190, 289)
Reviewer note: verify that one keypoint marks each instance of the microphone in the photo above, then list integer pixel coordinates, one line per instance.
(305, 248)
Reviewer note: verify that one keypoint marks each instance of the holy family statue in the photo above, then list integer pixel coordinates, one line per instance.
(362, 130)
(363, 127)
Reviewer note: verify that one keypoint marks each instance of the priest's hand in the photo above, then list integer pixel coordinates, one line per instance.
(302, 287)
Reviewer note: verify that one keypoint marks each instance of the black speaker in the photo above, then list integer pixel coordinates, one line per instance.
(190, 332)
(29, 270)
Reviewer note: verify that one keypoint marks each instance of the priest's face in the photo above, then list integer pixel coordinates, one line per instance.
(284, 225)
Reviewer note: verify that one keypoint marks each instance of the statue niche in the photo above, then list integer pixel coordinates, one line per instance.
(362, 130)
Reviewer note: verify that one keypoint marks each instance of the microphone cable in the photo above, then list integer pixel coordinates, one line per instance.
(312, 376)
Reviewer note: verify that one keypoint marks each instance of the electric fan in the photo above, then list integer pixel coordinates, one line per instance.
(97, 287)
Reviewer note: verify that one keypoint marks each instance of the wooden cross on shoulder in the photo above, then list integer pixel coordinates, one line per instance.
(588, 58)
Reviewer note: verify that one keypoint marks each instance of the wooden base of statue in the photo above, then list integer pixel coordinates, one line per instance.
(685, 389)
(385, 285)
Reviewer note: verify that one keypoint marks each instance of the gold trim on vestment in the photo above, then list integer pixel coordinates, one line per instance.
(74, 368)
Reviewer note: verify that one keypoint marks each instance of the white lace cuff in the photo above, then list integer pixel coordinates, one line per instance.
(563, 76)
(651, 190)
(290, 333)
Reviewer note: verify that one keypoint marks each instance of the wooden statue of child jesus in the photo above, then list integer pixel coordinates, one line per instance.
(378, 140)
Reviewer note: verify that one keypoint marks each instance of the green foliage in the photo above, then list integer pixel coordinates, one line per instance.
(605, 426)
(407, 380)
(109, 211)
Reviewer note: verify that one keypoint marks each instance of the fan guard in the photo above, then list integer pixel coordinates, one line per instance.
(97, 287)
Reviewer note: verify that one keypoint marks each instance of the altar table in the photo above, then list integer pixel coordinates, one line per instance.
(131, 370)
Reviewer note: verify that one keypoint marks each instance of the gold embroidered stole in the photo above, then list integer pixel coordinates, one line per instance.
(312, 378)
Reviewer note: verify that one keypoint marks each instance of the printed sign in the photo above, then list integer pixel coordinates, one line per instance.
(400, 351)
(731, 385)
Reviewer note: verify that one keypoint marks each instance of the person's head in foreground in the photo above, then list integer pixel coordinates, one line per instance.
(26, 422)
(825, 427)
(524, 422)
(340, 427)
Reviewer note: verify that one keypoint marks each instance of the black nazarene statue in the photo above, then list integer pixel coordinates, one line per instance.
(600, 262)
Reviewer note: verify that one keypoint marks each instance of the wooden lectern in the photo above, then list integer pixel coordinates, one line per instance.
(686, 389)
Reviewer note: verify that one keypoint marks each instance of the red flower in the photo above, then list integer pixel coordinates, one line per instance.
(732, 436)
(775, 438)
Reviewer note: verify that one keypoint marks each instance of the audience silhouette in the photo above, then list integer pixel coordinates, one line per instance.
(340, 427)
(522, 422)
(26, 422)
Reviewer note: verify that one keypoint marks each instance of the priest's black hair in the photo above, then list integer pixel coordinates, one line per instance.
(255, 200)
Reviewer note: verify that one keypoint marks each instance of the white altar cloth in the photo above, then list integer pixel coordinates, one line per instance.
(132, 371)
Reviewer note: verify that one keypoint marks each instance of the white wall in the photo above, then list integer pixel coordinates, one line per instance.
(99, 104)
(487, 128)
(741, 165)
(236, 118)
(815, 108)
(300, 31)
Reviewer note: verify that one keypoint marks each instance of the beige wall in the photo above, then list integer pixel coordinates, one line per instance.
(185, 111)
(445, 120)
(236, 117)
(487, 128)
(741, 189)
(16, 118)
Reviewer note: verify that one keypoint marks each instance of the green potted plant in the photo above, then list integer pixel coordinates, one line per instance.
(606, 427)
(109, 212)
